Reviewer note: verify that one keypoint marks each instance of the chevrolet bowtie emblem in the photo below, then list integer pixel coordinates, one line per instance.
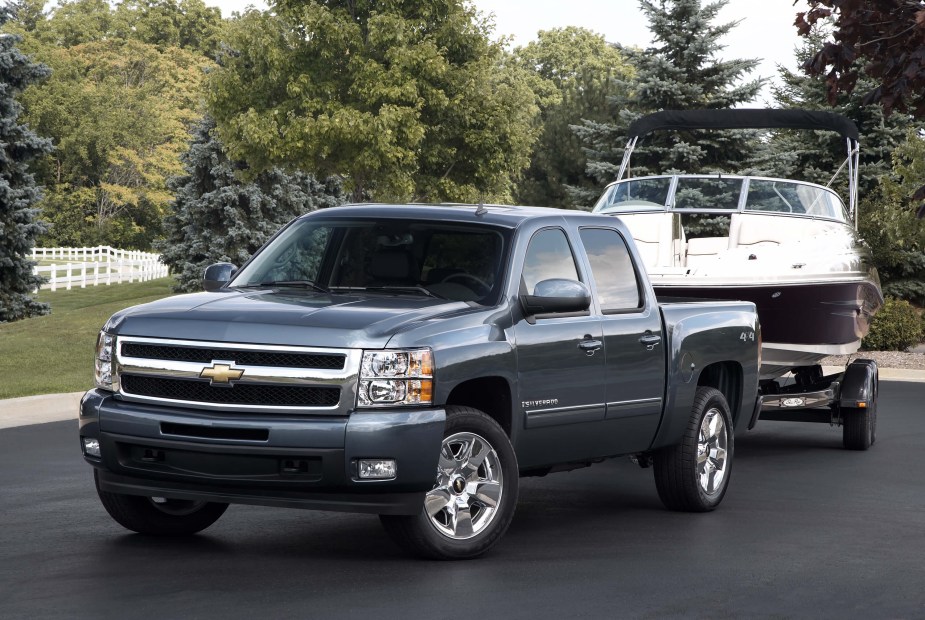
(221, 373)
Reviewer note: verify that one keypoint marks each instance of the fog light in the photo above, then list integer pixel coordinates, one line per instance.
(378, 469)
(92, 447)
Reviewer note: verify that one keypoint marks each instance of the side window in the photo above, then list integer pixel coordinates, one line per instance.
(612, 268)
(548, 256)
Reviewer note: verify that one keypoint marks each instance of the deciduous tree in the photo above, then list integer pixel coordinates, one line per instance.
(407, 99)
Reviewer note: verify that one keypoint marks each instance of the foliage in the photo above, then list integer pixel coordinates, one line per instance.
(816, 156)
(887, 35)
(18, 193)
(53, 354)
(680, 71)
(405, 99)
(119, 112)
(218, 218)
(889, 225)
(575, 73)
(185, 24)
(896, 327)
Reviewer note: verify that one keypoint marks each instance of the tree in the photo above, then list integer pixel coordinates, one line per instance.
(884, 39)
(216, 217)
(815, 156)
(887, 35)
(406, 99)
(18, 193)
(680, 71)
(575, 72)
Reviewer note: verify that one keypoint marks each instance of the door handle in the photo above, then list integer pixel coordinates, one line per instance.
(590, 346)
(650, 340)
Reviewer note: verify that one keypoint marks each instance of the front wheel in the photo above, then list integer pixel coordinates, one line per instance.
(159, 516)
(693, 475)
(474, 495)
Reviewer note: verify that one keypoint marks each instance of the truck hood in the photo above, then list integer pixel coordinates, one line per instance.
(282, 317)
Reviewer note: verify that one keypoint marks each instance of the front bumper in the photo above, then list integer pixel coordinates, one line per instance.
(293, 460)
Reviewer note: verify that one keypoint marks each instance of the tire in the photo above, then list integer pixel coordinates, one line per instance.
(859, 427)
(693, 475)
(474, 496)
(158, 516)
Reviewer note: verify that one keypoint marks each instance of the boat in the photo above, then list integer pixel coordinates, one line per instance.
(789, 246)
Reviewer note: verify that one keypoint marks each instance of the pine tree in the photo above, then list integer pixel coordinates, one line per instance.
(680, 71)
(216, 217)
(18, 193)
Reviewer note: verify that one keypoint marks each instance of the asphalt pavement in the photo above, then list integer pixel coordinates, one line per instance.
(807, 530)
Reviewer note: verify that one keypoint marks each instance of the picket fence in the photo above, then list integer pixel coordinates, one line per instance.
(94, 266)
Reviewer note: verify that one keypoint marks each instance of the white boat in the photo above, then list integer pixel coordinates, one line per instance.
(789, 246)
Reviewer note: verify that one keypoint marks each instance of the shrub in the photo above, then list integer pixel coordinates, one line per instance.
(895, 328)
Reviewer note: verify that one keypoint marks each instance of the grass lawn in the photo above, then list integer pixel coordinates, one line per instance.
(54, 353)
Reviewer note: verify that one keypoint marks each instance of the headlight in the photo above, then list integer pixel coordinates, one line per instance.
(396, 377)
(105, 376)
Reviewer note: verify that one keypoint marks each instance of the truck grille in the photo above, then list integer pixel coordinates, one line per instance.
(246, 357)
(246, 394)
(237, 377)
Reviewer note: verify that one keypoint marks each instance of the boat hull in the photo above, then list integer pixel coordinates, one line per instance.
(800, 323)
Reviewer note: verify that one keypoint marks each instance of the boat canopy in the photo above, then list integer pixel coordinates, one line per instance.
(744, 119)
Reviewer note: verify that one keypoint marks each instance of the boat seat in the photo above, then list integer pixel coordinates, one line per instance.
(747, 230)
(703, 249)
(653, 236)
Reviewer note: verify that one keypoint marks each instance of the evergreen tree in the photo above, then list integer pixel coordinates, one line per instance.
(680, 71)
(216, 217)
(18, 192)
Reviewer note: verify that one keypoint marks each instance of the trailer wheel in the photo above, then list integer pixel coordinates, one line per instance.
(693, 475)
(859, 430)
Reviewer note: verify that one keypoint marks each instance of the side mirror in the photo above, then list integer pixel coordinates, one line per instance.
(216, 276)
(557, 295)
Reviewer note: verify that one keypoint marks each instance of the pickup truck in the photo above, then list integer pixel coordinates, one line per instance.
(414, 361)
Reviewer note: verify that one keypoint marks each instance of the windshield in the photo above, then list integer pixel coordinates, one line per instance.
(460, 262)
(783, 196)
(635, 195)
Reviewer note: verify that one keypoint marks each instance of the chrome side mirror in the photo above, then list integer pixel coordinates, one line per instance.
(218, 275)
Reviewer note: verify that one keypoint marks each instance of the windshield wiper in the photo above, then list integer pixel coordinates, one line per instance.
(300, 283)
(406, 288)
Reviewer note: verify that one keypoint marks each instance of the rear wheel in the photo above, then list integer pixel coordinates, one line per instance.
(693, 475)
(474, 495)
(159, 516)
(859, 426)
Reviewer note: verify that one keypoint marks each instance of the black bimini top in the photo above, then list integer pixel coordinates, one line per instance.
(743, 119)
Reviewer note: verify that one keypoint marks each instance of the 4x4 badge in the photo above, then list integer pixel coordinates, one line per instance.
(221, 373)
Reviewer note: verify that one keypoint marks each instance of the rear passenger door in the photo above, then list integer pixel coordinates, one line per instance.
(633, 344)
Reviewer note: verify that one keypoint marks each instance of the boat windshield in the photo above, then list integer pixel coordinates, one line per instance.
(642, 194)
(716, 193)
(779, 196)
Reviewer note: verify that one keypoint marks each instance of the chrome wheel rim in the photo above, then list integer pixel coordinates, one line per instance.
(468, 488)
(176, 507)
(711, 452)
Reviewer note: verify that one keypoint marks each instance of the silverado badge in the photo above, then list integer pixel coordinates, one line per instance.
(221, 373)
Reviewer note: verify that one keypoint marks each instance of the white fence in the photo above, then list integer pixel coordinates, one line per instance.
(94, 266)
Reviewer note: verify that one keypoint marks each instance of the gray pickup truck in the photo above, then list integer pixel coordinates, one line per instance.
(413, 362)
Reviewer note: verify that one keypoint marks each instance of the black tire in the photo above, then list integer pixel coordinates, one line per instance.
(159, 516)
(438, 534)
(859, 426)
(679, 473)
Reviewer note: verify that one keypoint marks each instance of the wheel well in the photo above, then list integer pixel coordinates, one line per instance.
(489, 394)
(727, 378)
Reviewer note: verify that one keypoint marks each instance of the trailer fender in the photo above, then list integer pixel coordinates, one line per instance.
(859, 384)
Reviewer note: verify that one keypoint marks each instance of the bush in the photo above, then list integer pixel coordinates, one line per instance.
(895, 328)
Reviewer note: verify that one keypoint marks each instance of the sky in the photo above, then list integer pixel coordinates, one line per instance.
(765, 30)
